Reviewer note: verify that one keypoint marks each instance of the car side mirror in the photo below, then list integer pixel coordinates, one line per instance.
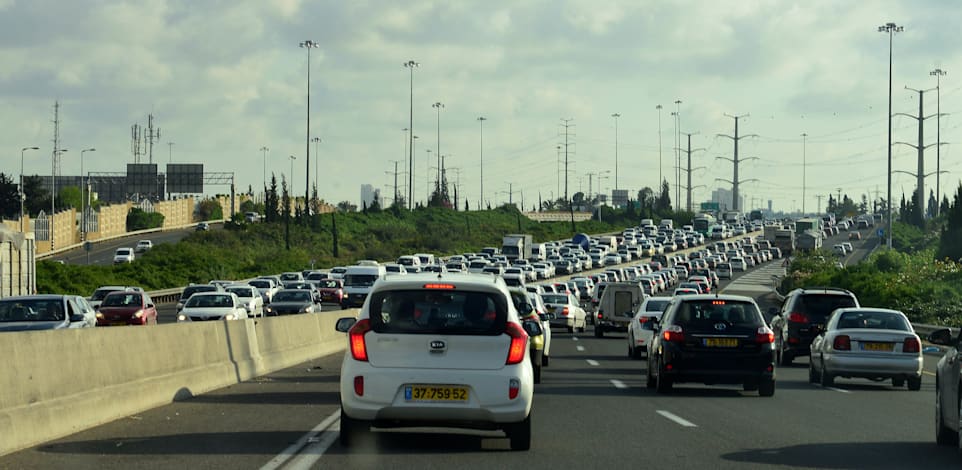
(150, 305)
(76, 318)
(345, 324)
(773, 311)
(524, 308)
(650, 325)
(942, 337)
(533, 328)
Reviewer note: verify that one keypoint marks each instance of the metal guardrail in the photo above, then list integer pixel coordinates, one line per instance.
(166, 296)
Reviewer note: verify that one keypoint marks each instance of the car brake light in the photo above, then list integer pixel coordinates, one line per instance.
(514, 387)
(796, 317)
(600, 315)
(674, 333)
(358, 346)
(439, 286)
(911, 345)
(519, 343)
(764, 335)
(643, 320)
(842, 343)
(564, 312)
(359, 385)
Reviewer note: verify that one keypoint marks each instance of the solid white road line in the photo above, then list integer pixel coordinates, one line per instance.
(838, 390)
(682, 421)
(296, 447)
(306, 459)
(592, 362)
(580, 347)
(928, 373)
(618, 384)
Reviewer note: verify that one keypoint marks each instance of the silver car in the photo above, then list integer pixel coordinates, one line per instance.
(45, 312)
(870, 343)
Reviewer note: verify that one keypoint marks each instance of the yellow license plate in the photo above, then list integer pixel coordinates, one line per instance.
(442, 393)
(118, 323)
(887, 347)
(721, 342)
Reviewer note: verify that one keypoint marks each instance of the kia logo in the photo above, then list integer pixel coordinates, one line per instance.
(438, 345)
(720, 326)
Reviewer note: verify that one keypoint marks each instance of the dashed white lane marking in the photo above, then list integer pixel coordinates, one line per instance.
(618, 384)
(574, 338)
(592, 362)
(677, 419)
(580, 348)
(838, 390)
(306, 439)
(928, 373)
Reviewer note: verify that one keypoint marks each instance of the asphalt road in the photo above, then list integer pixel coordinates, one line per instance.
(592, 410)
(103, 253)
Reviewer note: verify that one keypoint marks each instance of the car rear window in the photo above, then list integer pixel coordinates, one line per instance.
(330, 284)
(656, 305)
(191, 290)
(429, 311)
(705, 313)
(873, 319)
(821, 305)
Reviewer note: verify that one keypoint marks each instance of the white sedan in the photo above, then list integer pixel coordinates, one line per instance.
(568, 313)
(249, 297)
(638, 335)
(205, 306)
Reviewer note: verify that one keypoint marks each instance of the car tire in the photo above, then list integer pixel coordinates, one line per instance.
(650, 379)
(571, 329)
(826, 379)
(351, 430)
(812, 375)
(520, 434)
(662, 384)
(598, 331)
(785, 358)
(537, 374)
(944, 436)
(766, 388)
(914, 383)
(896, 382)
(544, 361)
(636, 353)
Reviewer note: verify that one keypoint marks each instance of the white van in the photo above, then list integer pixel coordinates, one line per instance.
(358, 281)
(539, 252)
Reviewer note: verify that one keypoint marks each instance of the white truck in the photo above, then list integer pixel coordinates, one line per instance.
(18, 263)
(517, 246)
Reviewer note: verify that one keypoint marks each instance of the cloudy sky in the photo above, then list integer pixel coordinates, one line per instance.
(225, 78)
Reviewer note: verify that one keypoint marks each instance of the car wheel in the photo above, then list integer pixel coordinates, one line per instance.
(915, 383)
(598, 331)
(544, 361)
(812, 376)
(896, 382)
(636, 353)
(766, 388)
(944, 436)
(351, 430)
(650, 382)
(520, 434)
(827, 380)
(537, 373)
(571, 329)
(662, 384)
(785, 358)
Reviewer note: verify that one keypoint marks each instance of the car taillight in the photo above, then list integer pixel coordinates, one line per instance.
(519, 343)
(359, 385)
(564, 312)
(842, 343)
(514, 387)
(796, 317)
(911, 345)
(600, 315)
(764, 335)
(358, 346)
(674, 333)
(643, 320)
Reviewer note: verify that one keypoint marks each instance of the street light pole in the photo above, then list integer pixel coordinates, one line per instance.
(891, 29)
(658, 186)
(290, 190)
(53, 195)
(307, 174)
(264, 150)
(438, 105)
(481, 121)
(316, 140)
(411, 65)
(804, 136)
(616, 116)
(22, 196)
(938, 139)
(83, 184)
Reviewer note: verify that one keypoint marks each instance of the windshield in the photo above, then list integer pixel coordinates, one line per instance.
(31, 310)
(191, 290)
(99, 294)
(121, 300)
(293, 296)
(260, 284)
(241, 291)
(290, 277)
(438, 312)
(360, 280)
(210, 301)
(554, 299)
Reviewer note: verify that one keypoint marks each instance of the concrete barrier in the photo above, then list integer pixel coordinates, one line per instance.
(56, 383)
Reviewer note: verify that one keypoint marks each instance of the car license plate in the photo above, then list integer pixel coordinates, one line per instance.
(434, 393)
(118, 323)
(721, 342)
(887, 347)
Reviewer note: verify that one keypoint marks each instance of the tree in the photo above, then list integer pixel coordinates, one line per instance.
(578, 199)
(69, 197)
(271, 201)
(663, 201)
(36, 197)
(210, 209)
(137, 219)
(9, 197)
(950, 241)
(346, 206)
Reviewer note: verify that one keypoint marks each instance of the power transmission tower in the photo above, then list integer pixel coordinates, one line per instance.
(397, 195)
(735, 181)
(689, 151)
(566, 124)
(920, 147)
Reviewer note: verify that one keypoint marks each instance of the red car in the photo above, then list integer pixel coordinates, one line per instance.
(332, 290)
(126, 308)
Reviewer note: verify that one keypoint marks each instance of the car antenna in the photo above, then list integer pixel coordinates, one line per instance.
(439, 275)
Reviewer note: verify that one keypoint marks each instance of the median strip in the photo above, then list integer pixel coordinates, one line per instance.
(677, 419)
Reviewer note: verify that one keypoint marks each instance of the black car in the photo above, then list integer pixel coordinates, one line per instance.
(712, 339)
(293, 301)
(948, 401)
(803, 316)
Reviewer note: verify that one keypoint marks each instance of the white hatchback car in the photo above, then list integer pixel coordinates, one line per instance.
(638, 335)
(446, 351)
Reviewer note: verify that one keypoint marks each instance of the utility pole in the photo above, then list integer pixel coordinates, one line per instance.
(735, 181)
(658, 186)
(819, 198)
(397, 195)
(938, 73)
(481, 120)
(566, 124)
(437, 150)
(690, 169)
(411, 65)
(590, 175)
(920, 174)
(152, 136)
(804, 136)
(54, 171)
(616, 116)
(677, 115)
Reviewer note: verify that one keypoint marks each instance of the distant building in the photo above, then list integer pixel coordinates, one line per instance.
(723, 197)
(368, 194)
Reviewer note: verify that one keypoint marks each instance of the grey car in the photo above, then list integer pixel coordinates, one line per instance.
(292, 301)
(45, 312)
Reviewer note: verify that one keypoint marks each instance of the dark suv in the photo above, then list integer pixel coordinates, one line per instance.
(712, 339)
(802, 318)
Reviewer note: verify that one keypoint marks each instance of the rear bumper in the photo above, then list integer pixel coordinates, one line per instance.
(612, 325)
(852, 365)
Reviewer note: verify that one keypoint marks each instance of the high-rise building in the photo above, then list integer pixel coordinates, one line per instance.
(367, 195)
(723, 197)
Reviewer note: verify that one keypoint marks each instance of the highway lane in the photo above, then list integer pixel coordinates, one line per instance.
(591, 410)
(103, 253)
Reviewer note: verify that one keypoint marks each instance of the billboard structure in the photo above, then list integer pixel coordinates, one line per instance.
(185, 178)
(142, 179)
(619, 197)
